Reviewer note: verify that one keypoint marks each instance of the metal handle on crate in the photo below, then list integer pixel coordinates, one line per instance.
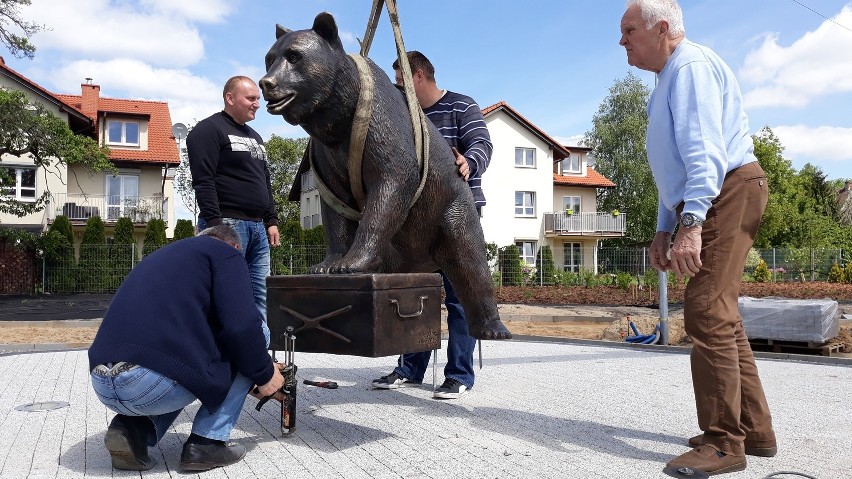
(412, 315)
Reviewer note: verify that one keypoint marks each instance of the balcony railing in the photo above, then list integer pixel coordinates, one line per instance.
(77, 207)
(584, 224)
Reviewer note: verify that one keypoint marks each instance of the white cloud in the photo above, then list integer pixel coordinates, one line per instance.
(190, 97)
(815, 65)
(573, 140)
(117, 30)
(824, 144)
(207, 11)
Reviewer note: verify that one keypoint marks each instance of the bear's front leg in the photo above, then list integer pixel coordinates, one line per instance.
(339, 234)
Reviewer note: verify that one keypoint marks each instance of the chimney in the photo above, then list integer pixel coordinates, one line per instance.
(2, 61)
(91, 94)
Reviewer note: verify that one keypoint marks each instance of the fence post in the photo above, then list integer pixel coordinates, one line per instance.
(774, 267)
(44, 274)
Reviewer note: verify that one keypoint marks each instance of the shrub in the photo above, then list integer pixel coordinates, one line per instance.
(836, 274)
(60, 263)
(544, 266)
(94, 263)
(122, 251)
(847, 271)
(155, 236)
(183, 229)
(623, 280)
(511, 269)
(652, 278)
(761, 272)
(62, 225)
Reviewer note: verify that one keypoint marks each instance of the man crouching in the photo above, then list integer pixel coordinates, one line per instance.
(182, 326)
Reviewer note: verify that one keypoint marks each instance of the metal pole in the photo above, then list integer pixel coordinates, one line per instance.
(664, 308)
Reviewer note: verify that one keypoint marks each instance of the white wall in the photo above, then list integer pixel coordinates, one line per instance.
(503, 179)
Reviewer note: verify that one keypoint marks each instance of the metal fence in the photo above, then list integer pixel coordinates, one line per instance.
(102, 268)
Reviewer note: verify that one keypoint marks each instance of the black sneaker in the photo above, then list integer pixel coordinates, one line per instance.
(451, 389)
(394, 381)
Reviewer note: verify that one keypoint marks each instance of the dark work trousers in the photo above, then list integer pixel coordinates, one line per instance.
(728, 394)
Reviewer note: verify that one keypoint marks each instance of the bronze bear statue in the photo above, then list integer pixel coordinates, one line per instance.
(312, 82)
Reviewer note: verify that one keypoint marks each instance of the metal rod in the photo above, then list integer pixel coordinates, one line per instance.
(664, 308)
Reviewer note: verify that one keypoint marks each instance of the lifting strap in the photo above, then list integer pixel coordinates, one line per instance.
(363, 113)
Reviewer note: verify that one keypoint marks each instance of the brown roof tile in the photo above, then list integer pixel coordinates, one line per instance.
(161, 143)
(592, 178)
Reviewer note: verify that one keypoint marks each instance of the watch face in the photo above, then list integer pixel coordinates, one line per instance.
(687, 220)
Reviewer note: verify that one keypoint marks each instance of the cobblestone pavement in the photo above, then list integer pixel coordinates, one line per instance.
(552, 409)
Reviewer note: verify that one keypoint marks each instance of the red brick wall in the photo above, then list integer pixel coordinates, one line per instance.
(17, 269)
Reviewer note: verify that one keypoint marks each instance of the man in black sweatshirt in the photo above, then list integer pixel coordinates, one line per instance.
(232, 183)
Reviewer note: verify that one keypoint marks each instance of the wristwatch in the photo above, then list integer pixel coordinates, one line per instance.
(689, 220)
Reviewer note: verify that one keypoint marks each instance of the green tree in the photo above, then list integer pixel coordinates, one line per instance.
(285, 155)
(761, 272)
(94, 264)
(60, 275)
(30, 128)
(617, 139)
(511, 269)
(122, 251)
(545, 269)
(183, 229)
(10, 20)
(775, 226)
(155, 236)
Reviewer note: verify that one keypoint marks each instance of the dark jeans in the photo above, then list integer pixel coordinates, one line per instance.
(459, 347)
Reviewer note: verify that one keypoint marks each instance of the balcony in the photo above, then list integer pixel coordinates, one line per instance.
(584, 224)
(80, 207)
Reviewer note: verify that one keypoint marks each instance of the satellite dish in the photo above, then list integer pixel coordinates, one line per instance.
(179, 131)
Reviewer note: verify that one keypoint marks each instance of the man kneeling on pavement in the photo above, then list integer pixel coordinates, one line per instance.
(182, 326)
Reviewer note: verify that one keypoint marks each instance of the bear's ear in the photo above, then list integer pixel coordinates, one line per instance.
(281, 31)
(325, 27)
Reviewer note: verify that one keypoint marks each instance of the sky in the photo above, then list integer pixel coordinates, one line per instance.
(551, 60)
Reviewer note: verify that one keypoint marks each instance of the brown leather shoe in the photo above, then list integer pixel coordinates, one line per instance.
(753, 447)
(706, 458)
(203, 457)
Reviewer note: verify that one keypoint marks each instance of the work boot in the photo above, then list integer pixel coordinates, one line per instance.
(753, 447)
(708, 459)
(126, 440)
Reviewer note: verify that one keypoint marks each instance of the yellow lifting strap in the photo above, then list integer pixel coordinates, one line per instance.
(363, 113)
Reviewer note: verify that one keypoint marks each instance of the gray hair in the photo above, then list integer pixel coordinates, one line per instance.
(654, 11)
(221, 232)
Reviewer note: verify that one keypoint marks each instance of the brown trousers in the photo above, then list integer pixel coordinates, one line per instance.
(728, 394)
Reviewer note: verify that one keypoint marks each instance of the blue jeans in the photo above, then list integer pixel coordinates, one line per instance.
(142, 392)
(254, 245)
(459, 347)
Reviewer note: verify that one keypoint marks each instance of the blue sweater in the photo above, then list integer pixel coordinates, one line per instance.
(460, 122)
(697, 131)
(187, 311)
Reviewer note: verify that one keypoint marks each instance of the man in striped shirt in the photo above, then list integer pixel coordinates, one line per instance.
(459, 120)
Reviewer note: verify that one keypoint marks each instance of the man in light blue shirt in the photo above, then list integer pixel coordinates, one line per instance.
(712, 188)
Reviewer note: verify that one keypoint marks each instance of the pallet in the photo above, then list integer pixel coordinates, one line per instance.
(795, 347)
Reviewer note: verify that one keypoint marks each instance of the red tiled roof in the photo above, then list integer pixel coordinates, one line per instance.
(73, 110)
(592, 178)
(161, 144)
(559, 151)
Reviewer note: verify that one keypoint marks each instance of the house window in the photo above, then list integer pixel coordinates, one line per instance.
(571, 203)
(18, 183)
(525, 157)
(573, 257)
(123, 133)
(527, 250)
(123, 197)
(524, 203)
(571, 165)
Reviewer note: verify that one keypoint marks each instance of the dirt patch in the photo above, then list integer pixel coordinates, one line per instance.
(46, 334)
